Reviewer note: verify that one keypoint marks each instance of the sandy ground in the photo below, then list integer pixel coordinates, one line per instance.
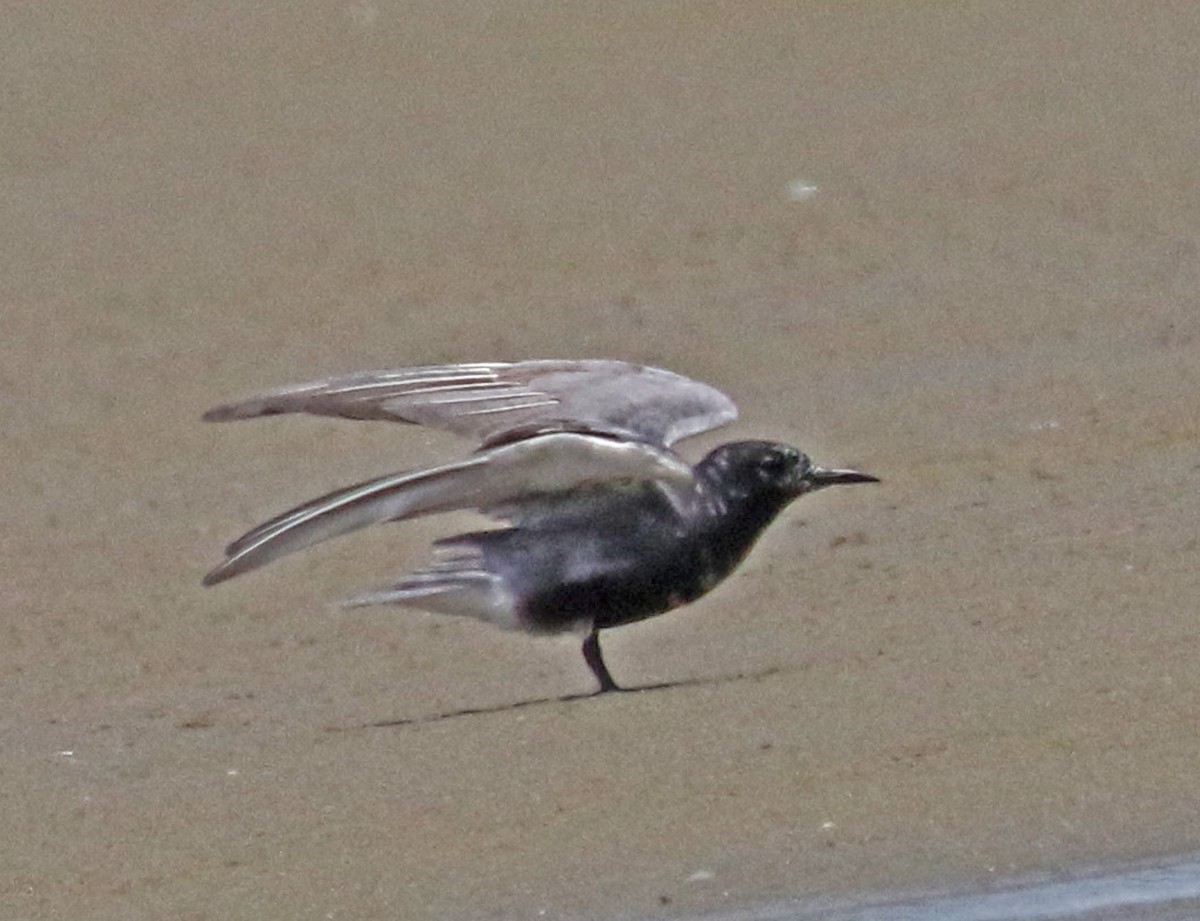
(986, 666)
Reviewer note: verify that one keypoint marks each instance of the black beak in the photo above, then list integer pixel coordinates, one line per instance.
(820, 477)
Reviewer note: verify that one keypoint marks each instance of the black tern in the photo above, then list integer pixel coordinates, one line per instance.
(603, 523)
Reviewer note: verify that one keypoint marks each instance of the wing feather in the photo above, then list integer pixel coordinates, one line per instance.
(488, 401)
(504, 477)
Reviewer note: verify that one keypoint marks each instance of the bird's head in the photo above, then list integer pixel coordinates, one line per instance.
(769, 470)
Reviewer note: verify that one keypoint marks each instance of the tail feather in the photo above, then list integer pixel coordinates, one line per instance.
(460, 591)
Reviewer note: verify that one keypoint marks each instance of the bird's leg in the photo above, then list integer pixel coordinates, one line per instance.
(591, 655)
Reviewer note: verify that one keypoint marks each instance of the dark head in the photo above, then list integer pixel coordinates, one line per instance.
(770, 472)
(745, 484)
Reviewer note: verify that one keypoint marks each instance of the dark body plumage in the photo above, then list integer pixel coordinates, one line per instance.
(614, 555)
(606, 526)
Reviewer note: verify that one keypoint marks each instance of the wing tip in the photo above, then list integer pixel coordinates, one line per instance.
(216, 575)
(230, 412)
(361, 600)
(233, 566)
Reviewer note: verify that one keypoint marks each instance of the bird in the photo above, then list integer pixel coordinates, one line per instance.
(598, 521)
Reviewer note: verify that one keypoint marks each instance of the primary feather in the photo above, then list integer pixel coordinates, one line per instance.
(492, 401)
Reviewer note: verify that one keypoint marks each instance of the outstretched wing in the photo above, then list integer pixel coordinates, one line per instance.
(499, 480)
(494, 402)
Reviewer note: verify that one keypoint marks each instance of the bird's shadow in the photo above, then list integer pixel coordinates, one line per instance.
(566, 698)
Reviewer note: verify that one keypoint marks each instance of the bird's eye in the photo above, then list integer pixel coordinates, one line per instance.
(774, 462)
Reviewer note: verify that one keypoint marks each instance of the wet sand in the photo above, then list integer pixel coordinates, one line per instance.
(985, 667)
